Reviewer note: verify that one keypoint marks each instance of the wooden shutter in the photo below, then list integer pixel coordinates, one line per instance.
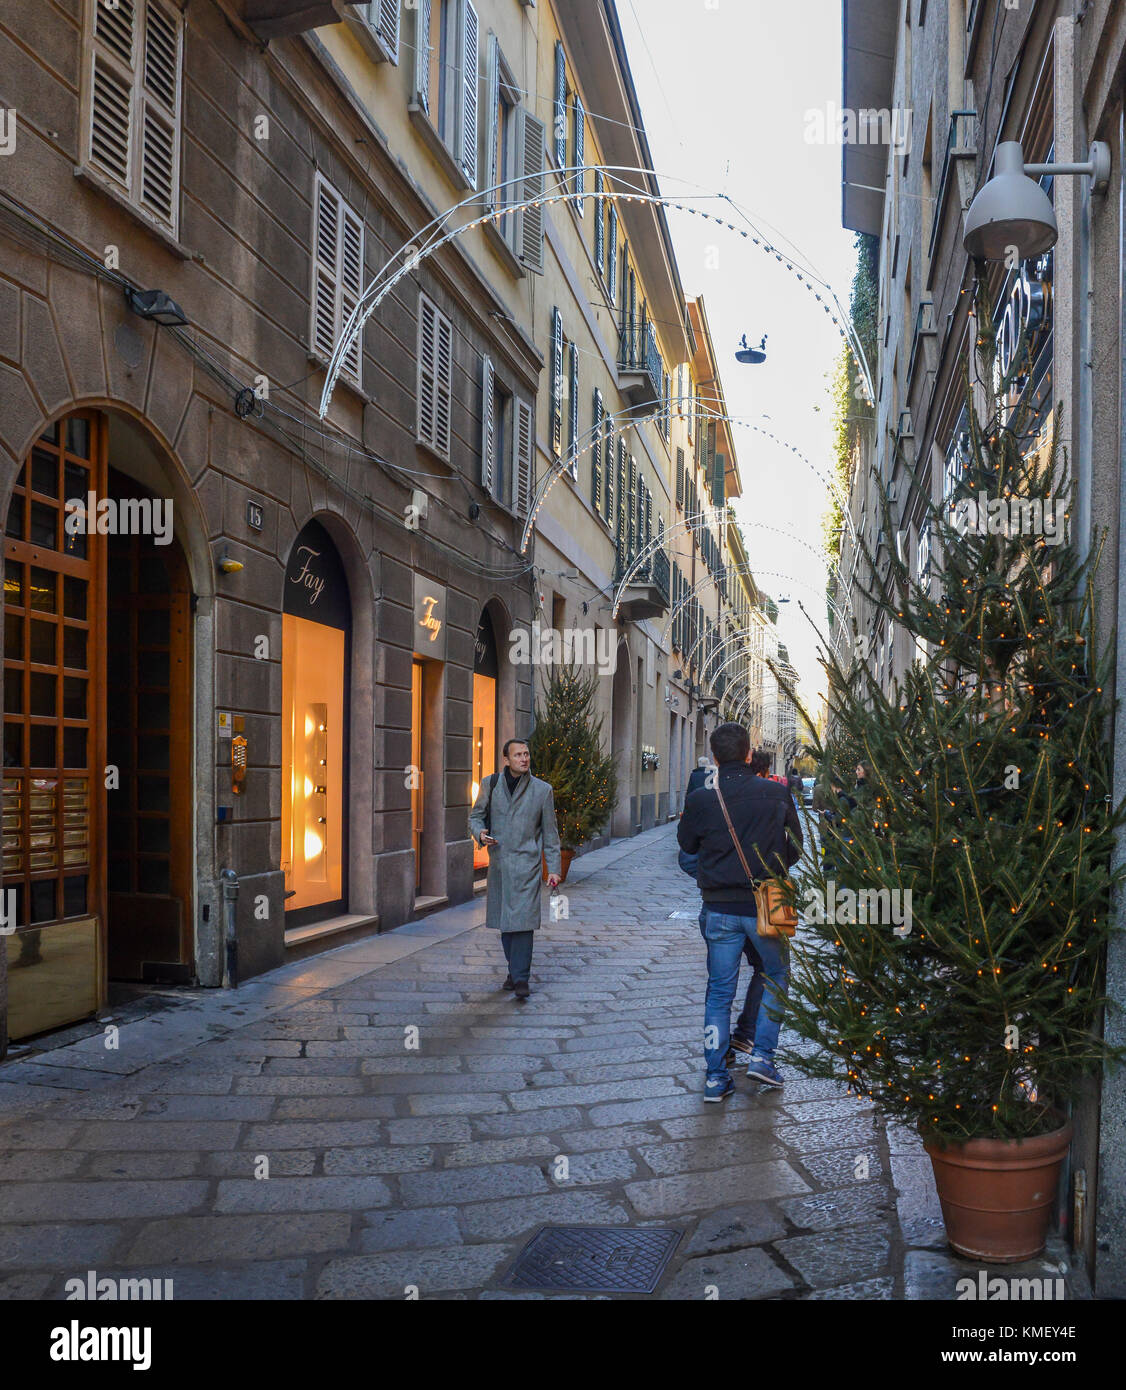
(422, 55)
(530, 136)
(383, 18)
(492, 199)
(599, 226)
(523, 440)
(159, 114)
(560, 113)
(470, 64)
(623, 496)
(596, 452)
(580, 154)
(680, 477)
(488, 426)
(435, 376)
(612, 255)
(719, 479)
(555, 426)
(608, 471)
(114, 64)
(351, 283)
(573, 423)
(631, 509)
(326, 236)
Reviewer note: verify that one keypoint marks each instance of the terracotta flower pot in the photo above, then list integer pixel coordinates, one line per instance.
(565, 857)
(997, 1194)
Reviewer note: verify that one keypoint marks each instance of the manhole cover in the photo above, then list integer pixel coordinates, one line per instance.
(594, 1259)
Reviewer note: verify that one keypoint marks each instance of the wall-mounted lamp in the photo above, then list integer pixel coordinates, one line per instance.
(229, 565)
(1014, 211)
(157, 306)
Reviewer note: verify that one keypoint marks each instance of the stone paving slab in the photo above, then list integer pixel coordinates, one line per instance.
(283, 1142)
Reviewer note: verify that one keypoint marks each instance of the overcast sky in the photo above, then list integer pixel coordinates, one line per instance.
(725, 88)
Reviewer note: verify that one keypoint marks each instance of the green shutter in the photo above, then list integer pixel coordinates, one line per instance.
(680, 478)
(556, 431)
(560, 131)
(573, 423)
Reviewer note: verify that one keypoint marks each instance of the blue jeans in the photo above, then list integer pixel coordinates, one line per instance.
(727, 937)
(746, 1022)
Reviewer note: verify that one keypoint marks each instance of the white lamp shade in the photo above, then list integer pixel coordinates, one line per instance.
(1011, 210)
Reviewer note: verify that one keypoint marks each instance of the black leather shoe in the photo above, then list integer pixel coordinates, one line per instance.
(522, 990)
(508, 984)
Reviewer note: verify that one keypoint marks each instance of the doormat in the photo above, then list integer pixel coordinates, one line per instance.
(593, 1259)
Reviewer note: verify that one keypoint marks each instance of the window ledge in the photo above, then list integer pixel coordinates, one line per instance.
(437, 146)
(503, 251)
(84, 174)
(318, 361)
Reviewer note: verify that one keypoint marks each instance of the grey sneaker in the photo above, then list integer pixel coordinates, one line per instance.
(715, 1089)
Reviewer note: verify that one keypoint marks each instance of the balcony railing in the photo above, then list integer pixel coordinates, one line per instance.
(649, 588)
(638, 352)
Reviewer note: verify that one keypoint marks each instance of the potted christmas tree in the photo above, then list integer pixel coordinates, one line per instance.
(566, 749)
(951, 965)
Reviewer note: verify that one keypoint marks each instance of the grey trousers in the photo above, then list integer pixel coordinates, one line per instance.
(518, 953)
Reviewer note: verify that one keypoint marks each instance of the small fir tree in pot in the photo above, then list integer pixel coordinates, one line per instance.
(566, 749)
(951, 965)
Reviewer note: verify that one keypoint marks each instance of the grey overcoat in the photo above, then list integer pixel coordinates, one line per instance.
(524, 823)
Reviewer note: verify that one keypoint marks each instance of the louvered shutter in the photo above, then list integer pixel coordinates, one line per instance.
(599, 226)
(383, 17)
(492, 199)
(596, 453)
(351, 282)
(523, 438)
(648, 516)
(530, 162)
(555, 426)
(160, 114)
(111, 99)
(422, 55)
(427, 368)
(608, 469)
(443, 407)
(488, 427)
(680, 478)
(580, 154)
(560, 113)
(623, 498)
(573, 423)
(612, 255)
(326, 236)
(470, 63)
(719, 476)
(631, 509)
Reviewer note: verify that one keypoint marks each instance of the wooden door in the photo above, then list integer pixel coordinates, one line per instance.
(149, 810)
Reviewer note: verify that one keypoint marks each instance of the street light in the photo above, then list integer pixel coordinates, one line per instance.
(750, 356)
(1012, 211)
(155, 305)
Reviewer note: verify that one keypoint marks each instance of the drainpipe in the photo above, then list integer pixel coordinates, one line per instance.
(229, 880)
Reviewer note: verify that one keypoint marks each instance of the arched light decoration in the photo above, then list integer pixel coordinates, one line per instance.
(438, 232)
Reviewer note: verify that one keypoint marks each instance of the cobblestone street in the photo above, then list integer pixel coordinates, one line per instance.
(391, 1167)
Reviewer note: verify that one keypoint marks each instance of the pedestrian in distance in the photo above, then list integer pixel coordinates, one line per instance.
(764, 822)
(514, 819)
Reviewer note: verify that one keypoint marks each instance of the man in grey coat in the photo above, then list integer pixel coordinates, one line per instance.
(520, 835)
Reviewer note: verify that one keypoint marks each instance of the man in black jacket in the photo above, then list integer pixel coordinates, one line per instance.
(766, 822)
